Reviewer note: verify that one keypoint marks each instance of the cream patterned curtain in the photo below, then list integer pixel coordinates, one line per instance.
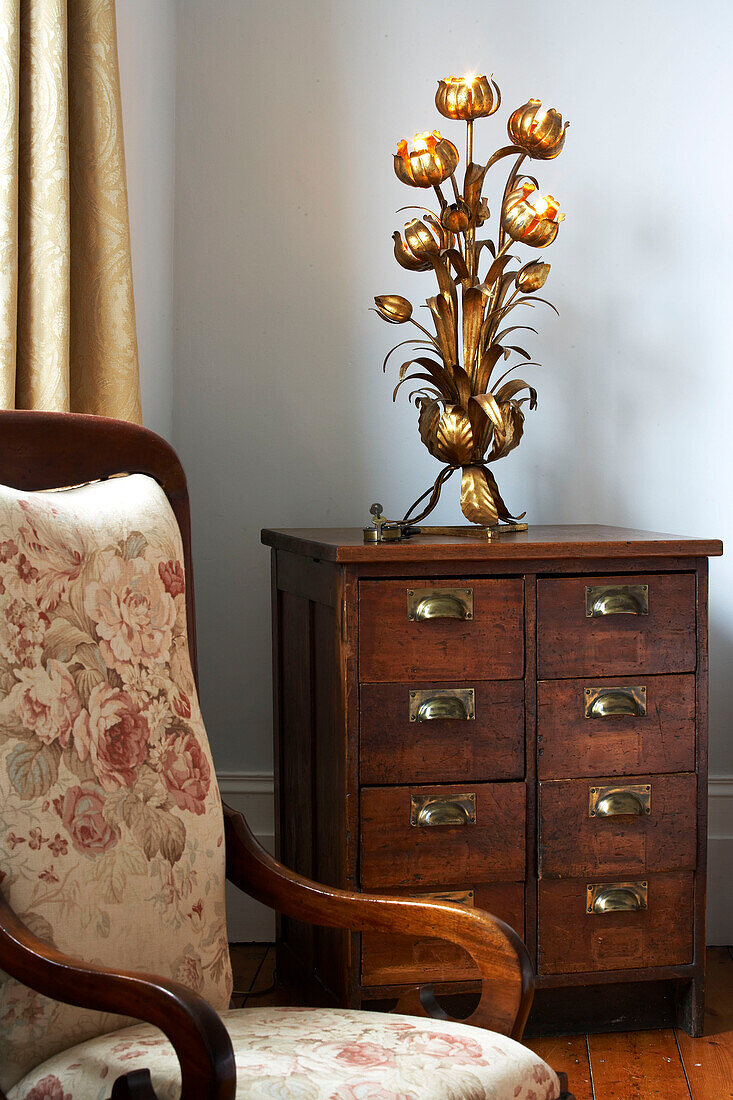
(67, 316)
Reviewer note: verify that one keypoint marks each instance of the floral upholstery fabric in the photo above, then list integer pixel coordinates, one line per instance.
(315, 1054)
(111, 830)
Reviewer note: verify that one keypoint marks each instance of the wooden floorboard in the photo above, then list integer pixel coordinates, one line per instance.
(708, 1061)
(567, 1055)
(636, 1065)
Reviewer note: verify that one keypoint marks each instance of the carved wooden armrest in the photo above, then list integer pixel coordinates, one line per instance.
(198, 1035)
(501, 957)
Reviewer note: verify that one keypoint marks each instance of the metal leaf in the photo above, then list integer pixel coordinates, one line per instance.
(428, 421)
(513, 328)
(532, 300)
(459, 264)
(477, 500)
(507, 151)
(511, 389)
(454, 436)
(488, 361)
(441, 329)
(473, 315)
(481, 427)
(450, 323)
(501, 507)
(418, 342)
(411, 378)
(497, 269)
(515, 347)
(439, 375)
(487, 402)
(473, 181)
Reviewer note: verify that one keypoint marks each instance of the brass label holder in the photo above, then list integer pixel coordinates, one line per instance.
(615, 897)
(429, 811)
(442, 704)
(634, 799)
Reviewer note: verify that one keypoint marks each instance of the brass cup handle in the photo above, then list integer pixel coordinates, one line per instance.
(618, 803)
(616, 599)
(622, 897)
(615, 702)
(424, 604)
(441, 705)
(440, 606)
(429, 811)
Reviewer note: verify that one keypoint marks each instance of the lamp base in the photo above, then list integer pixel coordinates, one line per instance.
(401, 532)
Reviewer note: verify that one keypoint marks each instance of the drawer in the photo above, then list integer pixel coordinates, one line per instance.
(394, 960)
(423, 733)
(662, 740)
(438, 642)
(488, 847)
(618, 826)
(617, 639)
(572, 940)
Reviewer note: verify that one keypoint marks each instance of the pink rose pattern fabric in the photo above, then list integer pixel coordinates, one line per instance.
(111, 832)
(315, 1054)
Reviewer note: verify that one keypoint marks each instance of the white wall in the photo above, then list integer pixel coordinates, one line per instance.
(146, 42)
(287, 115)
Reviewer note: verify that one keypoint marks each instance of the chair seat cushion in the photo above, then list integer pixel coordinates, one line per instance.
(314, 1054)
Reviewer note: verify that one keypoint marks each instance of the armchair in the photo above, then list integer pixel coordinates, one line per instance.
(114, 844)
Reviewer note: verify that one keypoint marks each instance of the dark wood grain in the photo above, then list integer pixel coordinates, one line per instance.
(553, 542)
(395, 853)
(395, 750)
(616, 645)
(573, 844)
(382, 753)
(500, 956)
(488, 647)
(661, 741)
(401, 960)
(570, 939)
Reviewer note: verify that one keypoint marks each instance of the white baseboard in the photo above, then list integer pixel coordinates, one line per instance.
(253, 795)
(720, 860)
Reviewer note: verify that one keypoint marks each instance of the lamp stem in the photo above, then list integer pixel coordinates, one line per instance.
(470, 233)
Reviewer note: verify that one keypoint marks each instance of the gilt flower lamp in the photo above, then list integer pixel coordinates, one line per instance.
(470, 409)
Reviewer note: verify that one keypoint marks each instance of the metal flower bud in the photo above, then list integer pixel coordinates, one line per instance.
(467, 97)
(532, 276)
(456, 218)
(531, 218)
(432, 160)
(538, 133)
(393, 308)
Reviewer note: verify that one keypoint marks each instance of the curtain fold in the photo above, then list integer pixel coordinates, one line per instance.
(67, 314)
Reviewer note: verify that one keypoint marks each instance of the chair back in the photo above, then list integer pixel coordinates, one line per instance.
(111, 830)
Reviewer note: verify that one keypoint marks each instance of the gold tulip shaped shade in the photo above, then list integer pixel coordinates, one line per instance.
(393, 308)
(432, 160)
(424, 239)
(530, 218)
(537, 132)
(467, 97)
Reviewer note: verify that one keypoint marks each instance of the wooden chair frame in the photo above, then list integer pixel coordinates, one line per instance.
(50, 450)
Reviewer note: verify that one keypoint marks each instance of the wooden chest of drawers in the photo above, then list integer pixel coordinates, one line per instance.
(518, 725)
